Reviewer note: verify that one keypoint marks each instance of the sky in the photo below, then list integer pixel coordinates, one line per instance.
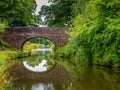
(40, 3)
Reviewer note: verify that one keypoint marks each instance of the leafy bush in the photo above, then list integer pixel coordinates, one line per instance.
(96, 33)
(2, 26)
(5, 84)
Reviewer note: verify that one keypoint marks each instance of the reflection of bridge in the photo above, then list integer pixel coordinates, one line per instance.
(56, 75)
(17, 36)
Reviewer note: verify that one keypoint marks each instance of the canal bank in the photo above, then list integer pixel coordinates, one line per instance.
(63, 75)
(6, 61)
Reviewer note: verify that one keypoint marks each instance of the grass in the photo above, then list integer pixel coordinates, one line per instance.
(6, 55)
(5, 84)
(3, 57)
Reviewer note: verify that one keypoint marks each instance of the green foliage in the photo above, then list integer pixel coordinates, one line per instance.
(3, 57)
(18, 12)
(78, 6)
(28, 46)
(5, 84)
(3, 45)
(2, 26)
(18, 54)
(66, 51)
(40, 42)
(59, 13)
(96, 33)
(36, 59)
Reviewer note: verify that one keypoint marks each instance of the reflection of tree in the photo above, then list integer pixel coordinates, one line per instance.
(36, 59)
(87, 77)
(58, 77)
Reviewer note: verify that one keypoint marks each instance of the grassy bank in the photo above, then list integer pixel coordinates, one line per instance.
(4, 81)
(6, 61)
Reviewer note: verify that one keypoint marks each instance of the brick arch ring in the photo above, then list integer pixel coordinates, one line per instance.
(17, 36)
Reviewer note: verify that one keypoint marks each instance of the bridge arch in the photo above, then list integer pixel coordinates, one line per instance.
(17, 36)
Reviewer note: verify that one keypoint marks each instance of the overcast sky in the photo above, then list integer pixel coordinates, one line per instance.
(40, 3)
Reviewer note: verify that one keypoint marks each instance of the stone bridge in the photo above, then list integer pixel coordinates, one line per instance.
(17, 36)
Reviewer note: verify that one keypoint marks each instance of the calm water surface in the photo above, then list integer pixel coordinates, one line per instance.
(42, 72)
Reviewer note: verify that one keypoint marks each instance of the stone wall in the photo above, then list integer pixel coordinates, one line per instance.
(17, 36)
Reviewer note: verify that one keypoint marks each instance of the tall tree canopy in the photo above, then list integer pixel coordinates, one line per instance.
(95, 35)
(78, 6)
(18, 12)
(59, 13)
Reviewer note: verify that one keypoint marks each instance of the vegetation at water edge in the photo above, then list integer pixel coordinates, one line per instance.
(95, 35)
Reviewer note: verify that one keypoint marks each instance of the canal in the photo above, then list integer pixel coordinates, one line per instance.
(42, 71)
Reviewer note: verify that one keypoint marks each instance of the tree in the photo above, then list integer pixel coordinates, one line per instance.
(95, 35)
(59, 13)
(78, 6)
(18, 12)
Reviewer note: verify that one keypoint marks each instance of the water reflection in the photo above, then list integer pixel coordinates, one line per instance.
(39, 72)
(42, 86)
(94, 78)
(41, 67)
(56, 77)
(39, 62)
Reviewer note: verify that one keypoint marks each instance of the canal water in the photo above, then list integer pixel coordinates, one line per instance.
(42, 72)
